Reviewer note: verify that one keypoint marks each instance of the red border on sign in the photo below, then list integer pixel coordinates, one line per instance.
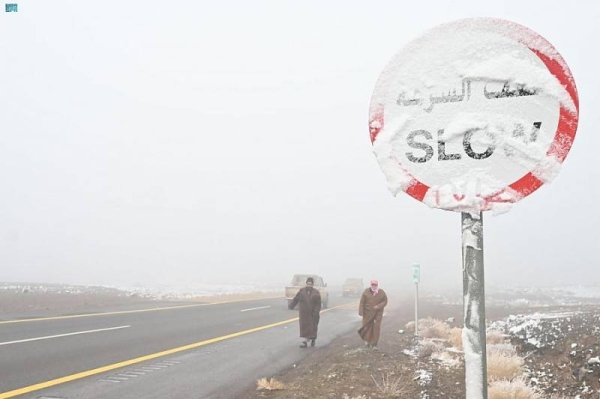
(565, 131)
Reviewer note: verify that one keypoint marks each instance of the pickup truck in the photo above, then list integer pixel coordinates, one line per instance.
(299, 281)
(352, 287)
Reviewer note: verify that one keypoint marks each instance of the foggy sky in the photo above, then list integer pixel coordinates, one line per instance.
(179, 142)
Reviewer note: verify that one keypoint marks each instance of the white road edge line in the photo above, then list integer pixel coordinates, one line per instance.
(261, 307)
(62, 335)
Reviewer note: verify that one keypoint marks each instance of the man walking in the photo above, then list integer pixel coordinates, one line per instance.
(309, 299)
(372, 302)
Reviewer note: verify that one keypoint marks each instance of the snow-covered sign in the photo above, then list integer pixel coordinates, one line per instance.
(474, 115)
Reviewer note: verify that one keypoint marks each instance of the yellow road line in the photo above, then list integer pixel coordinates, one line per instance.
(110, 367)
(351, 305)
(75, 316)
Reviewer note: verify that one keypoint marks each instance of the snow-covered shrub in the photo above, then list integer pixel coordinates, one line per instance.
(501, 366)
(269, 384)
(505, 349)
(455, 337)
(495, 337)
(428, 348)
(515, 389)
(433, 328)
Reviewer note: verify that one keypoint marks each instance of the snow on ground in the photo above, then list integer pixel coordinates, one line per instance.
(423, 378)
(537, 329)
(520, 297)
(542, 330)
(159, 292)
(562, 349)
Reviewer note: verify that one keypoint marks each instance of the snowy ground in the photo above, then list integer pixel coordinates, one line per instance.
(561, 349)
(19, 299)
(520, 297)
(162, 292)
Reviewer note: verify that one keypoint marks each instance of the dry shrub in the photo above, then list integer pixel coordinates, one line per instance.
(428, 348)
(495, 337)
(455, 337)
(501, 366)
(410, 326)
(429, 322)
(516, 389)
(390, 386)
(505, 349)
(432, 328)
(269, 384)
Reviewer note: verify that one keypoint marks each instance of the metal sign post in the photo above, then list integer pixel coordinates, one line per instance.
(416, 279)
(473, 335)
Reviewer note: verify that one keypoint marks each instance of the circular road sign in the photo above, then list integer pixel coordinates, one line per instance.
(474, 115)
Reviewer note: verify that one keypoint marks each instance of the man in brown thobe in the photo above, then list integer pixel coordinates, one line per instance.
(372, 302)
(309, 299)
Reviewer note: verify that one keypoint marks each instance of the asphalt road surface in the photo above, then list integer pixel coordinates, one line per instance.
(186, 350)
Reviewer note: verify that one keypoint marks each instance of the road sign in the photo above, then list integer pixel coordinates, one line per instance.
(474, 115)
(416, 273)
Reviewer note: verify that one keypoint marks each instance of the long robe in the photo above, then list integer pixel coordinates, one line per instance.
(309, 300)
(371, 322)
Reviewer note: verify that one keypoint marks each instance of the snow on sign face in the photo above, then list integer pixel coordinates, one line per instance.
(474, 115)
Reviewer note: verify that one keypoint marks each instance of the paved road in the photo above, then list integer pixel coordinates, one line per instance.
(183, 351)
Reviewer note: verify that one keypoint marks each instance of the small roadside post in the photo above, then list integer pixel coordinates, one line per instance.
(473, 116)
(416, 279)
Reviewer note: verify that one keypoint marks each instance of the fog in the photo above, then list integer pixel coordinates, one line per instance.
(146, 143)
